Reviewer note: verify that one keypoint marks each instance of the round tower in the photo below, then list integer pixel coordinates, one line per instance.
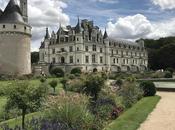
(15, 38)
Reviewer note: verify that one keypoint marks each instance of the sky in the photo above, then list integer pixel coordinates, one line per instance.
(123, 19)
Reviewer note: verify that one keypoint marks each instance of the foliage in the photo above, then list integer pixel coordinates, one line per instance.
(76, 71)
(130, 93)
(158, 50)
(119, 82)
(53, 84)
(168, 74)
(34, 57)
(42, 80)
(58, 72)
(170, 70)
(70, 110)
(93, 85)
(148, 88)
(75, 85)
(25, 97)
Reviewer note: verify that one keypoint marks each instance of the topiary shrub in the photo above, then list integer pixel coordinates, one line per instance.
(58, 72)
(53, 84)
(76, 71)
(168, 74)
(148, 88)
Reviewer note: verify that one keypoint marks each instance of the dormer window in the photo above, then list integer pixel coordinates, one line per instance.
(14, 26)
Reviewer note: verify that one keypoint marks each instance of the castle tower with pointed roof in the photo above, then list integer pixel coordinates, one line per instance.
(15, 37)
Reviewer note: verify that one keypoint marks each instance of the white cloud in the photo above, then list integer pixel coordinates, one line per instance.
(42, 14)
(130, 27)
(138, 26)
(165, 4)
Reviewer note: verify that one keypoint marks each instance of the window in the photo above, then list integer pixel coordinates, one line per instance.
(25, 28)
(87, 49)
(14, 26)
(94, 48)
(70, 49)
(101, 59)
(3, 26)
(117, 52)
(62, 49)
(62, 39)
(78, 48)
(87, 59)
(62, 60)
(101, 50)
(71, 59)
(112, 51)
(53, 51)
(78, 60)
(77, 39)
(93, 58)
(114, 60)
(117, 60)
(123, 61)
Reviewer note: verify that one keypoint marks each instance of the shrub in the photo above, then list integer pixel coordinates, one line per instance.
(76, 71)
(58, 72)
(148, 88)
(75, 85)
(170, 70)
(42, 80)
(119, 82)
(93, 85)
(70, 110)
(168, 74)
(53, 84)
(130, 93)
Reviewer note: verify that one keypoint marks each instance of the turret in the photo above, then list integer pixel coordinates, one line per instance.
(78, 32)
(47, 36)
(24, 10)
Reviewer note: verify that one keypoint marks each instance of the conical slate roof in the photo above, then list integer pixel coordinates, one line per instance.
(78, 28)
(105, 35)
(12, 13)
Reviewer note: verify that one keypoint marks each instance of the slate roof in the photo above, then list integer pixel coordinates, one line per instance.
(12, 13)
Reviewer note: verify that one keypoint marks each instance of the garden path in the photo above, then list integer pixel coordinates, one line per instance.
(163, 116)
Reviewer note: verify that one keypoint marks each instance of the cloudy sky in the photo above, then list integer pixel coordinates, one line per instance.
(127, 19)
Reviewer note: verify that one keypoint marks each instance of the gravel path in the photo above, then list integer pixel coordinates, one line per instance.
(163, 116)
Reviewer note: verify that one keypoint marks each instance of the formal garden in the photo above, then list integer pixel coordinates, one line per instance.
(75, 101)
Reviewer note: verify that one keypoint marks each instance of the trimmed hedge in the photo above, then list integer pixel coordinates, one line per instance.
(148, 88)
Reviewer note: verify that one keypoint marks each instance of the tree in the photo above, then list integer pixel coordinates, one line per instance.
(93, 85)
(58, 72)
(53, 84)
(34, 57)
(25, 97)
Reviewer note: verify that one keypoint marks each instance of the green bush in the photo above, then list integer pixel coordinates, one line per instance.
(168, 74)
(75, 85)
(130, 93)
(53, 84)
(71, 110)
(170, 70)
(148, 88)
(93, 85)
(76, 71)
(58, 72)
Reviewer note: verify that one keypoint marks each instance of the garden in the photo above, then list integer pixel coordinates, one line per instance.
(75, 101)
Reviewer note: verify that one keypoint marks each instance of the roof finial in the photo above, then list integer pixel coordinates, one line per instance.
(47, 36)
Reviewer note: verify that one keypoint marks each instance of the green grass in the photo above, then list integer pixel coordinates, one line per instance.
(133, 117)
(3, 87)
(17, 121)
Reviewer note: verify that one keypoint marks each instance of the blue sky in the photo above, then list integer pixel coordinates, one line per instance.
(124, 19)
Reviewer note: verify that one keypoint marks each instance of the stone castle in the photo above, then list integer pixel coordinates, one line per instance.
(84, 46)
(15, 37)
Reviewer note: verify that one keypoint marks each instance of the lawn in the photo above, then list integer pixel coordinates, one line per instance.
(2, 104)
(133, 117)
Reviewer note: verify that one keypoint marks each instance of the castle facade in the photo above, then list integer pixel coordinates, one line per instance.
(84, 46)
